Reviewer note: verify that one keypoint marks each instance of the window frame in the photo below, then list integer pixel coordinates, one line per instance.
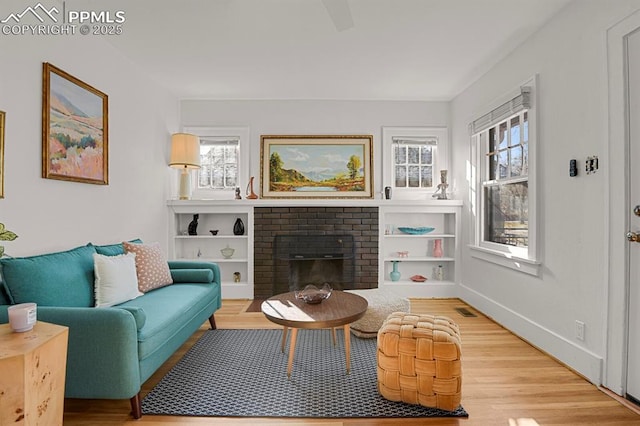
(440, 159)
(521, 259)
(242, 134)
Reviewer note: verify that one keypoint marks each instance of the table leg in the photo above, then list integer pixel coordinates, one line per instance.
(284, 338)
(292, 350)
(333, 334)
(347, 346)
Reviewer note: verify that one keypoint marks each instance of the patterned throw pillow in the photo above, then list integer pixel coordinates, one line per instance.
(151, 266)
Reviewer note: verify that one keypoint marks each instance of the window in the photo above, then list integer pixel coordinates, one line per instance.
(218, 163)
(412, 158)
(502, 144)
(224, 160)
(506, 184)
(413, 162)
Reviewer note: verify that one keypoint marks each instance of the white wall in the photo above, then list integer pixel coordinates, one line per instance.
(55, 215)
(297, 117)
(569, 55)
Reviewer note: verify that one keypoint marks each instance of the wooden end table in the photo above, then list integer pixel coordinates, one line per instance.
(32, 371)
(339, 310)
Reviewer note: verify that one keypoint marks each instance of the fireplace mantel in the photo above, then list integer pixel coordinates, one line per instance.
(314, 202)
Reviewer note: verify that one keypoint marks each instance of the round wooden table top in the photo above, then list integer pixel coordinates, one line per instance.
(339, 309)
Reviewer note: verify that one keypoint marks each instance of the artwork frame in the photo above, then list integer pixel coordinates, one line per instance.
(75, 129)
(310, 166)
(2, 121)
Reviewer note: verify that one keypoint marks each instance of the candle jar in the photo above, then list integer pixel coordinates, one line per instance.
(22, 317)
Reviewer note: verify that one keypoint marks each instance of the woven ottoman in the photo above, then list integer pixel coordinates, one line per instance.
(419, 360)
(381, 304)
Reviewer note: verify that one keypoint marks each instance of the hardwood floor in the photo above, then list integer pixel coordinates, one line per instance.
(506, 381)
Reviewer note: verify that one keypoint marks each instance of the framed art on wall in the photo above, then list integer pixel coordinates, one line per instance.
(316, 166)
(74, 129)
(2, 115)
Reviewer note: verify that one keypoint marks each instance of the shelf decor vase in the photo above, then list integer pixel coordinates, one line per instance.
(249, 191)
(238, 227)
(395, 274)
(437, 248)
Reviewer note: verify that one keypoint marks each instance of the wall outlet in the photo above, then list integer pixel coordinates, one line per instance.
(591, 164)
(579, 330)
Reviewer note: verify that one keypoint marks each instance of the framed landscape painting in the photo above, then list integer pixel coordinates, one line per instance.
(316, 166)
(74, 129)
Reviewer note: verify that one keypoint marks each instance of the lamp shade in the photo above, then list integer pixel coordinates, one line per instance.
(185, 151)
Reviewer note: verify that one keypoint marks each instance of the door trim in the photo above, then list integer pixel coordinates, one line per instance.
(616, 216)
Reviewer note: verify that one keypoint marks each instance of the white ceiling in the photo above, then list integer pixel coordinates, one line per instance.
(293, 49)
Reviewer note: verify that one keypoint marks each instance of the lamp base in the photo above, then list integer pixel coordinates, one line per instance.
(185, 185)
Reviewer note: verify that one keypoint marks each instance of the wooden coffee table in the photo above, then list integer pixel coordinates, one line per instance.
(339, 310)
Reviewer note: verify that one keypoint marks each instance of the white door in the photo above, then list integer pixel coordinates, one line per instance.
(633, 356)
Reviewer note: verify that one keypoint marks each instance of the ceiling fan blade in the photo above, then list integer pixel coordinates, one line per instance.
(340, 13)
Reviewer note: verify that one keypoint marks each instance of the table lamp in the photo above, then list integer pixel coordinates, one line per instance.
(185, 155)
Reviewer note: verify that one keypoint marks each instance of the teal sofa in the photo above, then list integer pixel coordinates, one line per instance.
(113, 350)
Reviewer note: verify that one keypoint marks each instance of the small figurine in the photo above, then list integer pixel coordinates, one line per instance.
(441, 192)
(238, 196)
(193, 225)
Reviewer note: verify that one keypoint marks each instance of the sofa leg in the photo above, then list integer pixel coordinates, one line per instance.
(136, 408)
(212, 321)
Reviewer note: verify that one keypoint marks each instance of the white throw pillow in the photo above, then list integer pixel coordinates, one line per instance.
(115, 279)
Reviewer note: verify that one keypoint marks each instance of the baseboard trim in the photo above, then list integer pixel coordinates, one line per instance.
(581, 360)
(625, 402)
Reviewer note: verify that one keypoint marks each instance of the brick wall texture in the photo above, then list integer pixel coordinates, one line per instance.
(361, 222)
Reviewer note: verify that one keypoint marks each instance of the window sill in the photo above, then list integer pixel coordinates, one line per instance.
(527, 266)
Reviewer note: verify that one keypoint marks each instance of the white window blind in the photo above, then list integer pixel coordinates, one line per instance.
(415, 141)
(504, 111)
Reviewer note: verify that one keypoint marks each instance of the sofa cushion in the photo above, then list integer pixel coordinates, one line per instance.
(116, 280)
(54, 279)
(113, 249)
(166, 310)
(151, 266)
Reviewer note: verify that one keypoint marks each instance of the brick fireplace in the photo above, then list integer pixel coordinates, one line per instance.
(360, 222)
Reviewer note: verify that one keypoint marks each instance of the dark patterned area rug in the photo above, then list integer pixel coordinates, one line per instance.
(231, 373)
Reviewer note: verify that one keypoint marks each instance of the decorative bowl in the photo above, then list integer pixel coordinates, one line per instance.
(418, 278)
(213, 231)
(227, 252)
(416, 231)
(314, 295)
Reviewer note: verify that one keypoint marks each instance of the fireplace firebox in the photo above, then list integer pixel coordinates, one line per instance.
(300, 260)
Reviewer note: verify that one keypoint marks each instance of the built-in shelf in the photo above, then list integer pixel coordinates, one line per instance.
(419, 248)
(419, 259)
(429, 236)
(443, 215)
(207, 247)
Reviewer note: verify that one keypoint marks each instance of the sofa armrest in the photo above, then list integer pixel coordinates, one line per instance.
(192, 275)
(196, 264)
(102, 357)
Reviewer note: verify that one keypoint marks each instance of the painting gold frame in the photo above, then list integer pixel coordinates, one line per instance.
(75, 129)
(2, 117)
(316, 166)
